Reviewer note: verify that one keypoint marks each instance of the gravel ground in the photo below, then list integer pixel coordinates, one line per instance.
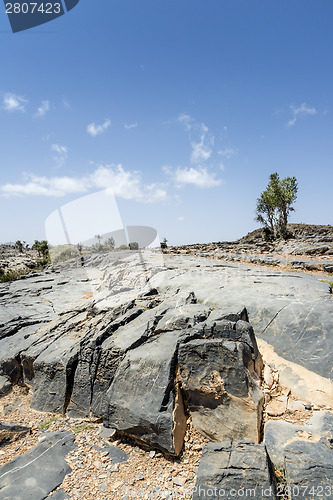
(146, 474)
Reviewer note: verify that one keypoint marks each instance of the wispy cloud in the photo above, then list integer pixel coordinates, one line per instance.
(61, 154)
(201, 139)
(128, 126)
(14, 102)
(202, 143)
(122, 183)
(43, 109)
(227, 152)
(300, 112)
(93, 129)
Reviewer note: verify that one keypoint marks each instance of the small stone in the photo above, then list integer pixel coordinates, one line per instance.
(114, 468)
(308, 407)
(139, 477)
(106, 432)
(152, 453)
(179, 481)
(102, 487)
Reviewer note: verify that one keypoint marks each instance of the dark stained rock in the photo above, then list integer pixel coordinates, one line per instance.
(143, 400)
(221, 387)
(182, 317)
(309, 470)
(234, 470)
(39, 471)
(100, 354)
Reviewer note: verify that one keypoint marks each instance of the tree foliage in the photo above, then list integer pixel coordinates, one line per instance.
(42, 248)
(275, 204)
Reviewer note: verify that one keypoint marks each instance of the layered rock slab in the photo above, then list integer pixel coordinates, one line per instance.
(234, 470)
(143, 401)
(39, 471)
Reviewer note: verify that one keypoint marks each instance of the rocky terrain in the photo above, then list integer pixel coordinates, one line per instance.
(185, 374)
(11, 259)
(309, 247)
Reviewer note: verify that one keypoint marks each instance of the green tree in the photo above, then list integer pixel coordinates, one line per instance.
(42, 248)
(19, 245)
(275, 204)
(110, 243)
(164, 243)
(134, 245)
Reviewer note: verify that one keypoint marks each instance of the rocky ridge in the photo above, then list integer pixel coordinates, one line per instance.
(152, 345)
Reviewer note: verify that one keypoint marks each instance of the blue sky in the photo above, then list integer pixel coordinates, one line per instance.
(182, 108)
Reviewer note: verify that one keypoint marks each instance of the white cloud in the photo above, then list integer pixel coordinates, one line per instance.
(61, 154)
(181, 218)
(121, 183)
(300, 111)
(227, 153)
(13, 102)
(63, 150)
(43, 109)
(93, 129)
(128, 126)
(199, 177)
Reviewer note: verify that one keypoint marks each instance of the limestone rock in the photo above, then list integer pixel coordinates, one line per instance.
(278, 434)
(234, 470)
(309, 470)
(142, 398)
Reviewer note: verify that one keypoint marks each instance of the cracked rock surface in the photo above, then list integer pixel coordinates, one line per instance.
(234, 470)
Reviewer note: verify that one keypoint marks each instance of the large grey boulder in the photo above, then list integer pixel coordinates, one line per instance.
(39, 471)
(309, 470)
(234, 470)
(143, 400)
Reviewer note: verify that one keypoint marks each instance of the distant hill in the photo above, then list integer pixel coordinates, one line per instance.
(305, 232)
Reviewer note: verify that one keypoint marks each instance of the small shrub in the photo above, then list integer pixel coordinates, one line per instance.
(81, 427)
(123, 247)
(45, 425)
(11, 275)
(133, 246)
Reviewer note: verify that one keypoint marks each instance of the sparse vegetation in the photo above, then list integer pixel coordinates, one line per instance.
(46, 424)
(330, 284)
(11, 275)
(82, 427)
